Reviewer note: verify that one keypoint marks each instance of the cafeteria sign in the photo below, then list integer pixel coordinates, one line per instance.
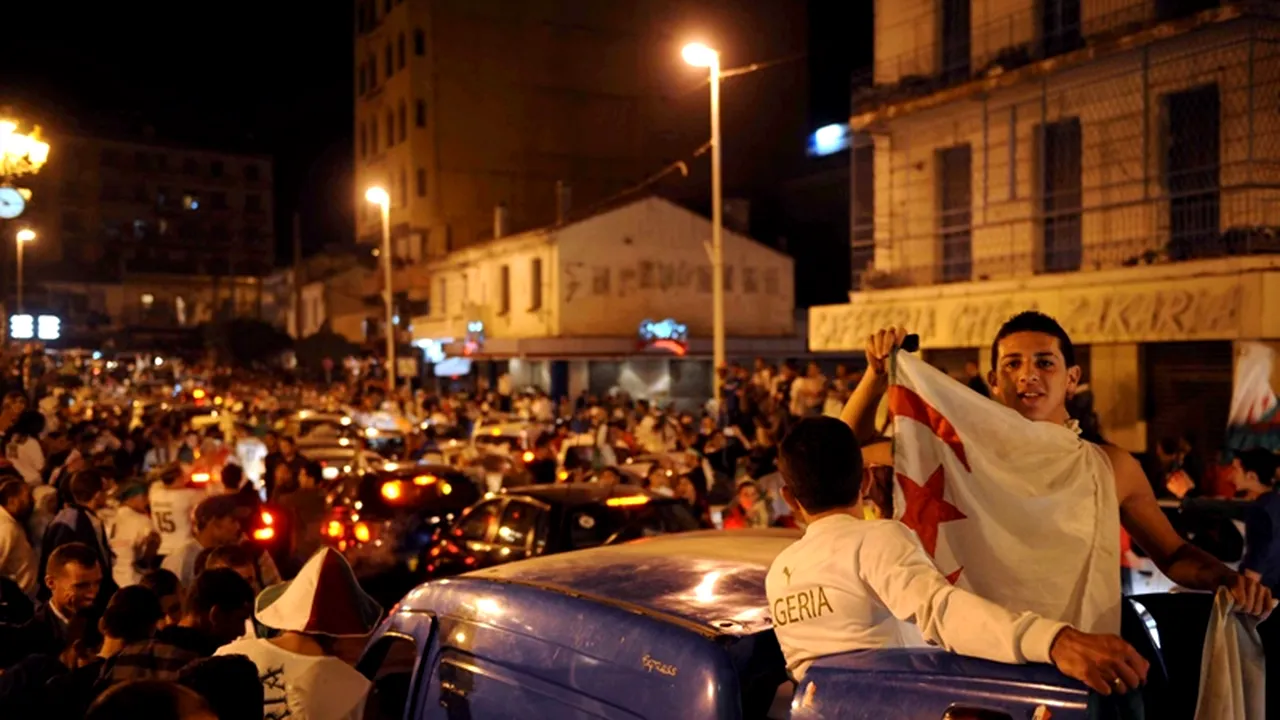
(666, 335)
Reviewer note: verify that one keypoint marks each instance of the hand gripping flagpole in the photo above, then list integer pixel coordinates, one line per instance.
(910, 343)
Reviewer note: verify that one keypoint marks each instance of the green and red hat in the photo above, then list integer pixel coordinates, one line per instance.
(324, 599)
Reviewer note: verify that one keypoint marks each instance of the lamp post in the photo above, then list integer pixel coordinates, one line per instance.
(379, 197)
(699, 55)
(24, 236)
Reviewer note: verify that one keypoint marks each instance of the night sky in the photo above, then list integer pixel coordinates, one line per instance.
(254, 76)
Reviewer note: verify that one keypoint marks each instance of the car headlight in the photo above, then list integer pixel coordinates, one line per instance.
(329, 473)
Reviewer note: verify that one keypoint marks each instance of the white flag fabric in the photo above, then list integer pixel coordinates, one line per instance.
(1233, 666)
(1022, 513)
(1253, 421)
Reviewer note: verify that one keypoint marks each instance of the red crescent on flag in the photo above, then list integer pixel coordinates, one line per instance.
(905, 402)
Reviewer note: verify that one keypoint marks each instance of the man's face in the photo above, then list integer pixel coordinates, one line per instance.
(75, 587)
(20, 507)
(225, 625)
(171, 606)
(1032, 377)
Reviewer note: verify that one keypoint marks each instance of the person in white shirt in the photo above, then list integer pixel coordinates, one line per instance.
(852, 584)
(131, 534)
(217, 523)
(301, 677)
(173, 501)
(18, 561)
(23, 449)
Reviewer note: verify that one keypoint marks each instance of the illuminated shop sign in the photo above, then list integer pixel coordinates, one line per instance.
(666, 335)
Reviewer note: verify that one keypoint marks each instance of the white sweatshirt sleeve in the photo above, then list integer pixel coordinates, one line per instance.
(894, 565)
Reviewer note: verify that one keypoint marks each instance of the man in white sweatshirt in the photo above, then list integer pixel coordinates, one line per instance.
(851, 584)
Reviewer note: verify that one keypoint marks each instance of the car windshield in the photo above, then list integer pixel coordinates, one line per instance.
(593, 525)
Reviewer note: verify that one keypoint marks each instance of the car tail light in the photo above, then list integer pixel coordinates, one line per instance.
(264, 534)
(392, 490)
(267, 519)
(334, 529)
(627, 501)
(424, 479)
(362, 532)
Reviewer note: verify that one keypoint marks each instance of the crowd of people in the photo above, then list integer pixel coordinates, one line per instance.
(125, 584)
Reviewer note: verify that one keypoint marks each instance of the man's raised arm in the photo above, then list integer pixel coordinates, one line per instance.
(860, 412)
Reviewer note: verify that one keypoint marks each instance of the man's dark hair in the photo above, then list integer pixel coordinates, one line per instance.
(30, 424)
(821, 464)
(10, 489)
(72, 552)
(232, 477)
(85, 485)
(161, 582)
(229, 683)
(131, 614)
(222, 588)
(231, 556)
(152, 699)
(1038, 322)
(1261, 462)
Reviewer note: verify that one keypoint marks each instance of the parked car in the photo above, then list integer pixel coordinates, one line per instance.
(384, 520)
(547, 519)
(679, 627)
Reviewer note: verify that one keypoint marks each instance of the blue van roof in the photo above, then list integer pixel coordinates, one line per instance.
(714, 579)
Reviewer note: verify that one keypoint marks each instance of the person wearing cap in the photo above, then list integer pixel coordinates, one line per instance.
(217, 523)
(301, 673)
(131, 535)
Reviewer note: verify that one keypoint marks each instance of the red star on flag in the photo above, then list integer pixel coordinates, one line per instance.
(954, 577)
(926, 508)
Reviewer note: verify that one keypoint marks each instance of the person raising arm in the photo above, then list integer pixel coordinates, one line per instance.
(1034, 372)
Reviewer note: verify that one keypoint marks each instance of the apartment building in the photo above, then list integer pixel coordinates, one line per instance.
(1113, 163)
(483, 119)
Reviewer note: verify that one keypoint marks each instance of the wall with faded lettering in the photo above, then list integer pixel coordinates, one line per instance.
(1225, 299)
(649, 260)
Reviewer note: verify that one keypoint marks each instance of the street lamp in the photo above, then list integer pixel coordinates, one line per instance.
(699, 55)
(378, 196)
(24, 236)
(20, 153)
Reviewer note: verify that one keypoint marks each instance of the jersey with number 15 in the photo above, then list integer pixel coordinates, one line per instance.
(171, 512)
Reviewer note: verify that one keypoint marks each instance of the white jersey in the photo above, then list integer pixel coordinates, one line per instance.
(125, 532)
(851, 584)
(171, 513)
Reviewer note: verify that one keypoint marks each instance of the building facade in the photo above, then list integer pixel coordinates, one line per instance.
(106, 208)
(484, 119)
(580, 307)
(1110, 162)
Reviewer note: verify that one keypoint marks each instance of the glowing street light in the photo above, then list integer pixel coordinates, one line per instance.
(23, 236)
(379, 196)
(21, 154)
(699, 55)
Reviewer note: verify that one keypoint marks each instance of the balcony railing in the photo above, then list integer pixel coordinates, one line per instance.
(1133, 162)
(1006, 42)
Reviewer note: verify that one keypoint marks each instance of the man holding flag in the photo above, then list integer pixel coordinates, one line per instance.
(1007, 498)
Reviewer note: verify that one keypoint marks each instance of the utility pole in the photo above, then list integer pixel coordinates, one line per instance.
(297, 276)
